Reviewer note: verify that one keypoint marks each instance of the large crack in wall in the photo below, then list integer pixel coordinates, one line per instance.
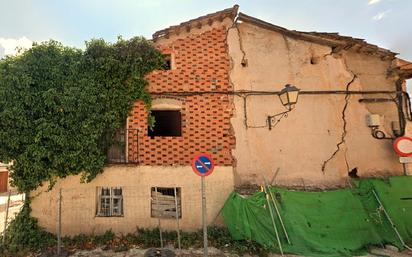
(232, 84)
(338, 128)
(344, 130)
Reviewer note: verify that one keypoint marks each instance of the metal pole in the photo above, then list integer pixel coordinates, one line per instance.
(405, 169)
(204, 221)
(277, 210)
(6, 218)
(273, 221)
(158, 219)
(59, 224)
(280, 217)
(390, 221)
(177, 222)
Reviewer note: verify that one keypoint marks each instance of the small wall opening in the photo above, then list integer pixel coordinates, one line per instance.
(168, 123)
(164, 202)
(353, 173)
(168, 61)
(314, 60)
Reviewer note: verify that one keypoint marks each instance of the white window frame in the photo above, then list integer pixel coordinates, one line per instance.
(109, 202)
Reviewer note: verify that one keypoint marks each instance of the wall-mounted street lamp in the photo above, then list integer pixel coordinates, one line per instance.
(289, 97)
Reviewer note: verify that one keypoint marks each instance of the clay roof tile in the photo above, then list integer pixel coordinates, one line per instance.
(198, 22)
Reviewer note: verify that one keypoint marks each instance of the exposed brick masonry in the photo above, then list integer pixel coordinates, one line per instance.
(201, 65)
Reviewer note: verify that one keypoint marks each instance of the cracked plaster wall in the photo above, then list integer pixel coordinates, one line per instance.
(310, 136)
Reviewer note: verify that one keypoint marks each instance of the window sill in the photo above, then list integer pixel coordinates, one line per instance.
(165, 218)
(156, 137)
(113, 216)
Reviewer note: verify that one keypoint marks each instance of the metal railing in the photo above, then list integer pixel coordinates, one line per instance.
(125, 147)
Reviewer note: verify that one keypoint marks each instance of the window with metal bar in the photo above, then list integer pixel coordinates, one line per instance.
(109, 202)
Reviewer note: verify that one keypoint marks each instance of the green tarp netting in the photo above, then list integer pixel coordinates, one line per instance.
(332, 223)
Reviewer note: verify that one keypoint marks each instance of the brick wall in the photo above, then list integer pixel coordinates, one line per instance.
(201, 64)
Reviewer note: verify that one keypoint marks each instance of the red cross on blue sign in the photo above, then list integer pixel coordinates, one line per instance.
(202, 164)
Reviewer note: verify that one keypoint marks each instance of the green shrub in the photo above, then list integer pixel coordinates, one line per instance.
(148, 237)
(104, 239)
(220, 238)
(24, 233)
(191, 239)
(77, 241)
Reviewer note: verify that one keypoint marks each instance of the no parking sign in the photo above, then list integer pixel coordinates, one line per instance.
(202, 164)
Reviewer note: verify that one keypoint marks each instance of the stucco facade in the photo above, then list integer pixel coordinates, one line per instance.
(326, 135)
(79, 199)
(224, 79)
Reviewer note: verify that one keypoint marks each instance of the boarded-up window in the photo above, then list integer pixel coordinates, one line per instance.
(109, 201)
(164, 201)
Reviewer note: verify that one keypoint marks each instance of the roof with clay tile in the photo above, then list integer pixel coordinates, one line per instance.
(198, 22)
(405, 67)
(335, 40)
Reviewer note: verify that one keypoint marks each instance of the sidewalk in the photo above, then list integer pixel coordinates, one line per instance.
(213, 252)
(13, 198)
(16, 202)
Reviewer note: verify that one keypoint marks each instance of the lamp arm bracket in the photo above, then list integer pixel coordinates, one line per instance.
(273, 120)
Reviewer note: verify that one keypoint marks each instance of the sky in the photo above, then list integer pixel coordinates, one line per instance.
(72, 22)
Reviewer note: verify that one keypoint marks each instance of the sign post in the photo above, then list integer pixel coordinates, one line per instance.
(204, 221)
(203, 165)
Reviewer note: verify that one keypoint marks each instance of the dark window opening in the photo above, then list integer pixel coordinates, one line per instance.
(167, 124)
(168, 61)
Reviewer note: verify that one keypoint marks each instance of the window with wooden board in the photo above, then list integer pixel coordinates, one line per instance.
(164, 202)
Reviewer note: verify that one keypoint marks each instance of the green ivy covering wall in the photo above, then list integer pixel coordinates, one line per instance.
(60, 106)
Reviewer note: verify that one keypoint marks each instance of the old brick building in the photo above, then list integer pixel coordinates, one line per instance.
(225, 73)
(199, 66)
(192, 106)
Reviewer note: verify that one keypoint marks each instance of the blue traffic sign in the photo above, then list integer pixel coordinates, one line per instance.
(202, 164)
